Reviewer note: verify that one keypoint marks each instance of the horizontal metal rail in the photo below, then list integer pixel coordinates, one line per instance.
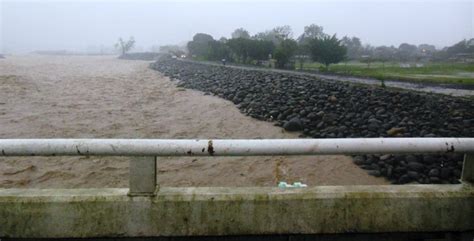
(235, 147)
(208, 211)
(143, 166)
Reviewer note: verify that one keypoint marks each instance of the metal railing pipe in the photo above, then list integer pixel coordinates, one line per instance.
(235, 147)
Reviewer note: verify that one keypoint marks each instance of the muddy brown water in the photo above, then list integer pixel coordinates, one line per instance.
(104, 97)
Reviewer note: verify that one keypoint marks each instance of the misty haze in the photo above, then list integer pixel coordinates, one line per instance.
(375, 96)
(87, 26)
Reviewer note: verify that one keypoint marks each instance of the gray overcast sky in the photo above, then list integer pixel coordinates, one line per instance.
(77, 25)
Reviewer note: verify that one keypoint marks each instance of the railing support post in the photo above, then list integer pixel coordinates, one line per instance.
(143, 176)
(468, 168)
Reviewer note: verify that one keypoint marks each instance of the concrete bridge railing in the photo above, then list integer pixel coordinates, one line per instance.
(144, 210)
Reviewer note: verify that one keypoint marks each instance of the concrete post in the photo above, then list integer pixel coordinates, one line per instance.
(143, 176)
(468, 168)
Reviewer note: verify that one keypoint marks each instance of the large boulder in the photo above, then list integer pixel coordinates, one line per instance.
(395, 131)
(294, 124)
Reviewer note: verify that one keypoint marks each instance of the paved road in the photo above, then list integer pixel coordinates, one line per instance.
(430, 88)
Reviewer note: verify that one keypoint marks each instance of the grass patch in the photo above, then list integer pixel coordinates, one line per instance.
(448, 73)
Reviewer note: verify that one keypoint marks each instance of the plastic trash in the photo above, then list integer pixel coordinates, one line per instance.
(299, 184)
(284, 185)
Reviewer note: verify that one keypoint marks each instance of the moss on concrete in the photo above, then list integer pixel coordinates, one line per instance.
(235, 211)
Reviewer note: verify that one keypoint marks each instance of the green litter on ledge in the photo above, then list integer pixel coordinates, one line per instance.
(295, 185)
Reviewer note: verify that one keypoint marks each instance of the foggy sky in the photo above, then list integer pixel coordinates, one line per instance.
(81, 25)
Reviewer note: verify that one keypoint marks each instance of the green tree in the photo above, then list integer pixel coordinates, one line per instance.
(246, 50)
(125, 46)
(283, 32)
(260, 49)
(202, 38)
(427, 48)
(240, 33)
(462, 47)
(218, 50)
(302, 54)
(384, 54)
(200, 46)
(284, 51)
(239, 48)
(267, 36)
(407, 52)
(312, 31)
(367, 55)
(276, 35)
(327, 50)
(354, 47)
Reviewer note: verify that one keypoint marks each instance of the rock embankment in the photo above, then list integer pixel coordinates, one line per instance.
(333, 109)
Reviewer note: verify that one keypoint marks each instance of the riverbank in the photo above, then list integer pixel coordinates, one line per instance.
(426, 87)
(322, 108)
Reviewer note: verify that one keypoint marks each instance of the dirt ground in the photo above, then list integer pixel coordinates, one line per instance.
(103, 97)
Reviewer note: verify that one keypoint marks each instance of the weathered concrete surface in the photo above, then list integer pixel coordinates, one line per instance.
(142, 176)
(235, 211)
(468, 168)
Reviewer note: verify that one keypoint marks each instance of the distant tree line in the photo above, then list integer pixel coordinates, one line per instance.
(276, 44)
(406, 52)
(279, 45)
